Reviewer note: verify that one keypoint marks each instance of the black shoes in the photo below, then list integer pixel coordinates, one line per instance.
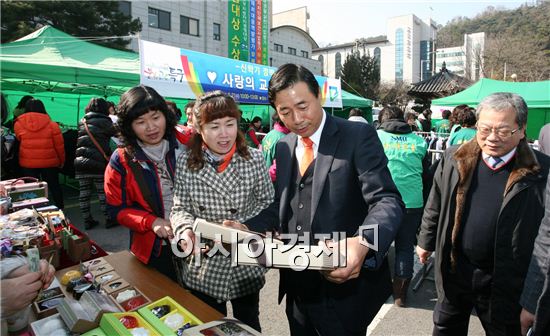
(90, 223)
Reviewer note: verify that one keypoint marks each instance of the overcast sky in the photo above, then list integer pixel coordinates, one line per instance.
(341, 21)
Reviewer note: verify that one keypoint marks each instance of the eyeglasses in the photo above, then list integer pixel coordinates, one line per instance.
(499, 132)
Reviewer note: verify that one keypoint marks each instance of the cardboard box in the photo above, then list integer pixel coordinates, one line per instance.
(49, 250)
(79, 247)
(114, 285)
(107, 277)
(286, 256)
(134, 303)
(85, 315)
(49, 326)
(29, 203)
(111, 324)
(158, 323)
(47, 302)
(93, 263)
(100, 269)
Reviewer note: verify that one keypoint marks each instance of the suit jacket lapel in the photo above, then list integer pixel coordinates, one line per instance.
(323, 162)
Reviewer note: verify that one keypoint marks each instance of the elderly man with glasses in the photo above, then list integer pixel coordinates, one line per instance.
(481, 219)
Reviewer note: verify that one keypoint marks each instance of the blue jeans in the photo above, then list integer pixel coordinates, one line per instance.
(404, 243)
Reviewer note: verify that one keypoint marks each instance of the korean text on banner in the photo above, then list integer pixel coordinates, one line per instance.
(181, 73)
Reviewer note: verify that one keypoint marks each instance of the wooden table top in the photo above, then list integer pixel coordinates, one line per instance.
(154, 284)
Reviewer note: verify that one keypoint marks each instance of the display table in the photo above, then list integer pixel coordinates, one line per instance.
(154, 285)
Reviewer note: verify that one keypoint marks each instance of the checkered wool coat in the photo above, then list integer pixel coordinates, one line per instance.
(239, 193)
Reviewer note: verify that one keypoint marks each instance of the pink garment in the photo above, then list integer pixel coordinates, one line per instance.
(273, 171)
(281, 128)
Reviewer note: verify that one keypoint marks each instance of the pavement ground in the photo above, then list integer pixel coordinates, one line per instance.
(414, 320)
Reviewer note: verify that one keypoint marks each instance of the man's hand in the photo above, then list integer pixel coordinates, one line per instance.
(19, 292)
(355, 256)
(48, 273)
(423, 255)
(162, 228)
(526, 320)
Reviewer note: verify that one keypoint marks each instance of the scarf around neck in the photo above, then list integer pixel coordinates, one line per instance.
(220, 164)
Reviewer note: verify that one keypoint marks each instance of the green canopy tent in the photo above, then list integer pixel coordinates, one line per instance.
(66, 72)
(536, 95)
(350, 101)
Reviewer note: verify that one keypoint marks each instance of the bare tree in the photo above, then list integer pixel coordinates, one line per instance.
(506, 54)
(395, 94)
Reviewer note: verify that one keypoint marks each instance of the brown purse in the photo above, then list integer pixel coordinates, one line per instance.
(94, 140)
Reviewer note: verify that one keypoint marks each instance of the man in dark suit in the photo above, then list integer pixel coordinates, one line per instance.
(332, 176)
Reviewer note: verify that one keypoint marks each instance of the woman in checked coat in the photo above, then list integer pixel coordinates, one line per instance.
(222, 180)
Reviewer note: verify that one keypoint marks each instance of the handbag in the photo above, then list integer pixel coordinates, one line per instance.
(94, 140)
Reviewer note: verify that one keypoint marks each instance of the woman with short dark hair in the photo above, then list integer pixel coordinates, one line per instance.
(139, 179)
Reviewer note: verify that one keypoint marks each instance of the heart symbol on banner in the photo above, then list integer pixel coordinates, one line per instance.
(212, 76)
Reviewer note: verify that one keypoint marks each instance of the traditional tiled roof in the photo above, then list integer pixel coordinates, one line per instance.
(444, 83)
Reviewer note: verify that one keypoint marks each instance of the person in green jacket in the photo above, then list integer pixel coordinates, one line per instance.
(442, 127)
(269, 143)
(406, 153)
(467, 119)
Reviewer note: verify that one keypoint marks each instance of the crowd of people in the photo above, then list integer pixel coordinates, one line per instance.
(480, 207)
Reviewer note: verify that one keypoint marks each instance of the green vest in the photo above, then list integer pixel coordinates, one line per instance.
(405, 153)
(462, 136)
(442, 126)
(269, 143)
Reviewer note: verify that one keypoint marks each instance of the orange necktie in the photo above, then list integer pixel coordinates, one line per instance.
(307, 158)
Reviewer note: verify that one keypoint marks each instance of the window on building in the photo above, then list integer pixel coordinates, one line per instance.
(125, 7)
(338, 65)
(189, 26)
(305, 54)
(425, 59)
(278, 47)
(321, 60)
(377, 55)
(217, 31)
(292, 51)
(399, 53)
(159, 19)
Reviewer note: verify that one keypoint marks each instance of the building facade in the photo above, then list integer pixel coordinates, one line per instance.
(405, 54)
(203, 26)
(465, 60)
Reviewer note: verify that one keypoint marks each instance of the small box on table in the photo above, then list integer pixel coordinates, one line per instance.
(129, 298)
(124, 323)
(47, 302)
(52, 325)
(161, 314)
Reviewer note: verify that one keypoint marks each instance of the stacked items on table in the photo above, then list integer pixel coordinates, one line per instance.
(22, 193)
(49, 231)
(104, 303)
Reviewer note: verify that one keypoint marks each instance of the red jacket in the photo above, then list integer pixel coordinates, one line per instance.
(125, 201)
(40, 141)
